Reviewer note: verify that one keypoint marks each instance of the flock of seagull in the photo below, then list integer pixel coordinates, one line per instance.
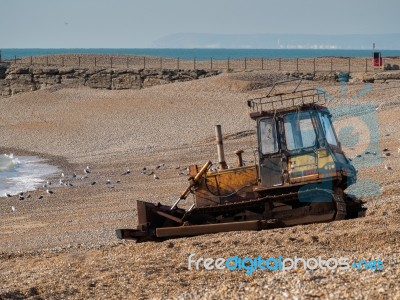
(63, 181)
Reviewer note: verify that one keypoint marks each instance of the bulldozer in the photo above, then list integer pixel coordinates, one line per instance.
(298, 177)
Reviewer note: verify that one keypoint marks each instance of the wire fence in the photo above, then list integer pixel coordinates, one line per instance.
(308, 65)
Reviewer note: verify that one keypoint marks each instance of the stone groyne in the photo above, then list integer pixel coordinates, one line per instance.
(17, 79)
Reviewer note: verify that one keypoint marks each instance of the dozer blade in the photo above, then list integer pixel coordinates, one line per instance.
(159, 222)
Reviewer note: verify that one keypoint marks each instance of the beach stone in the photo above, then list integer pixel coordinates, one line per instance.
(121, 82)
(19, 70)
(151, 81)
(3, 70)
(66, 70)
(100, 80)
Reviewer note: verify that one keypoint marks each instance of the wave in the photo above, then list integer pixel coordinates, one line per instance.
(7, 162)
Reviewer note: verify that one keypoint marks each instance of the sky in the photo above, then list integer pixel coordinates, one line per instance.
(137, 24)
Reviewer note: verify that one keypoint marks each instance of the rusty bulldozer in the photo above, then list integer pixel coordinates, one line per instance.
(299, 176)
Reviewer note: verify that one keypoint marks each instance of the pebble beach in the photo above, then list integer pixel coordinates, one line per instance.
(63, 246)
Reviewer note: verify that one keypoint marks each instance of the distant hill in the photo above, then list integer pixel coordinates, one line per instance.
(277, 41)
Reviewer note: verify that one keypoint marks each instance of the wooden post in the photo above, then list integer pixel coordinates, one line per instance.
(211, 63)
(127, 62)
(297, 64)
(111, 61)
(279, 61)
(15, 59)
(144, 62)
(366, 65)
(62, 61)
(47, 60)
(177, 63)
(262, 63)
(228, 63)
(161, 63)
(31, 61)
(314, 65)
(194, 63)
(79, 61)
(245, 63)
(331, 65)
(95, 61)
(349, 63)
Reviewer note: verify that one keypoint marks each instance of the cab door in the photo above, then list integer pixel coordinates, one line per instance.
(269, 153)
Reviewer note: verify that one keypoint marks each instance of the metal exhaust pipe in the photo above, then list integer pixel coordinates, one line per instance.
(220, 148)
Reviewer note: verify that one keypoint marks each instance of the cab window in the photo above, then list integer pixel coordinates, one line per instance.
(299, 131)
(268, 138)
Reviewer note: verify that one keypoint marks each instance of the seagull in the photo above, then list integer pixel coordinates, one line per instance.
(378, 107)
(108, 181)
(21, 197)
(87, 170)
(61, 182)
(118, 181)
(151, 173)
(28, 196)
(144, 169)
(84, 177)
(48, 182)
(388, 167)
(21, 194)
(13, 208)
(8, 195)
(156, 177)
(159, 166)
(126, 173)
(93, 183)
(74, 175)
(62, 175)
(40, 197)
(49, 192)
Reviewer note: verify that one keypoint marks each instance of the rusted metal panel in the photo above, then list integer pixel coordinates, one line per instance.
(209, 228)
(229, 185)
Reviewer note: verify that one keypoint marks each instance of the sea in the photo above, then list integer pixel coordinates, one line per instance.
(199, 54)
(23, 173)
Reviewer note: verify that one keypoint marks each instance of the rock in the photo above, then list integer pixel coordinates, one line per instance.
(3, 70)
(101, 80)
